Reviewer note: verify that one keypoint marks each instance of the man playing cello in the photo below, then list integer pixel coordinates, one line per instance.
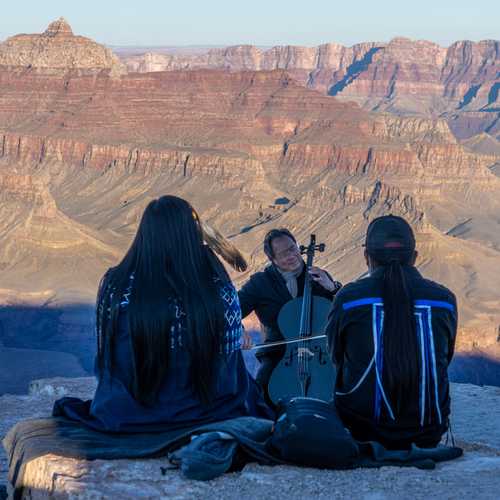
(266, 292)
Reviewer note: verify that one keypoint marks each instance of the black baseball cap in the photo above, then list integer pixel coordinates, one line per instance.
(389, 236)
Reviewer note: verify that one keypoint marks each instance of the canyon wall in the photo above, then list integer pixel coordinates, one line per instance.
(83, 150)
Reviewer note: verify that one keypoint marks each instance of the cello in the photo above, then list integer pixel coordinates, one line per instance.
(306, 368)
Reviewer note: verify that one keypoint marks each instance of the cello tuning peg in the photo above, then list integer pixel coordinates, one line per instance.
(321, 247)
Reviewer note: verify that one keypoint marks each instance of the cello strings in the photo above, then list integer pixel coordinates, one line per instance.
(301, 347)
(304, 359)
(308, 319)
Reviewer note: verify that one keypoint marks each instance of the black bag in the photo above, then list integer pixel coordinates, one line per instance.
(309, 431)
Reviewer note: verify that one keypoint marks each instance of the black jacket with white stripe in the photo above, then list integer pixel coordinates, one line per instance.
(356, 341)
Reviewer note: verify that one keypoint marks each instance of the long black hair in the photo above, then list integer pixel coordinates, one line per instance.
(391, 244)
(167, 258)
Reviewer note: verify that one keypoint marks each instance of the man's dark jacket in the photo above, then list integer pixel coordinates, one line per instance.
(266, 293)
(355, 327)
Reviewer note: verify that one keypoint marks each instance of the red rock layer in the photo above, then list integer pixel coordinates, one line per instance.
(216, 123)
(198, 108)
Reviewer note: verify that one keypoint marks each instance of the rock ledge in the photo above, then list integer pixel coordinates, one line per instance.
(476, 413)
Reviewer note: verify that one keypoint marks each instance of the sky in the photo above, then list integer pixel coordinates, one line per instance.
(257, 22)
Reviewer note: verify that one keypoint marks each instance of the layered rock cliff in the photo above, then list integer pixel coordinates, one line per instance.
(463, 74)
(249, 57)
(402, 76)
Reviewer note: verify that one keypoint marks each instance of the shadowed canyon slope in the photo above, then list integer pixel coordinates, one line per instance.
(82, 152)
(403, 76)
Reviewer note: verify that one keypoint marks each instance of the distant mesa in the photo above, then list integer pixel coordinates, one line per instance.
(56, 51)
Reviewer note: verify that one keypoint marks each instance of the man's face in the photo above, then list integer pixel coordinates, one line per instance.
(286, 254)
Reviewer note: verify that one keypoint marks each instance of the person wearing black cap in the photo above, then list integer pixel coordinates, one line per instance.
(392, 336)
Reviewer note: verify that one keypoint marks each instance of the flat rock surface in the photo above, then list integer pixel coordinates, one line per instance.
(476, 427)
(38, 403)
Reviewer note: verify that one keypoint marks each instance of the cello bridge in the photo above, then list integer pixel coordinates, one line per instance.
(304, 351)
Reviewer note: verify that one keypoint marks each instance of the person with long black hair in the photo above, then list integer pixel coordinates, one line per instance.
(392, 336)
(168, 329)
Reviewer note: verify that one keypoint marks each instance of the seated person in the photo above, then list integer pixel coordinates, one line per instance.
(392, 337)
(169, 328)
(266, 292)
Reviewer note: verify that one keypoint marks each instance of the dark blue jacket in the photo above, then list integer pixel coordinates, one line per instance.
(115, 409)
